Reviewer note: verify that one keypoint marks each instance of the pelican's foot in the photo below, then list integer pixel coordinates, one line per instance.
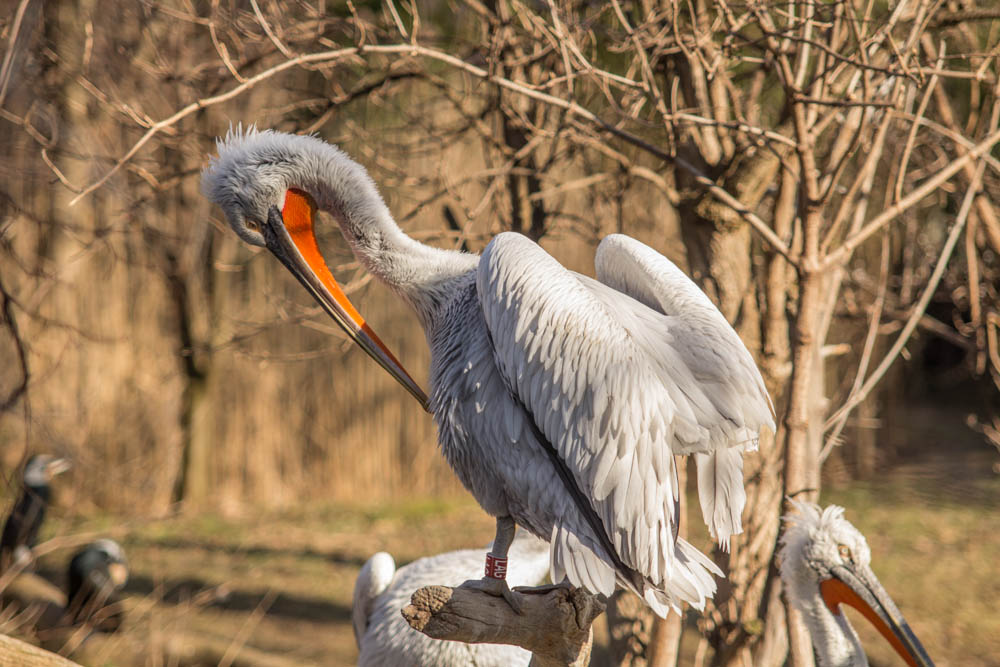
(496, 588)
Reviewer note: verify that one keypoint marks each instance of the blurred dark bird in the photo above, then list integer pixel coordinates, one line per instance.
(95, 575)
(825, 562)
(20, 532)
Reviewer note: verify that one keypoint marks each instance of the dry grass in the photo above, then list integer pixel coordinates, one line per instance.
(198, 580)
(937, 557)
(275, 588)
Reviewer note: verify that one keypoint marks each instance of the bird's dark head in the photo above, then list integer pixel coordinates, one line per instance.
(112, 556)
(821, 552)
(41, 468)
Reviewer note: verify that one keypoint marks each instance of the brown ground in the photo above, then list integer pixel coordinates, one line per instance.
(275, 589)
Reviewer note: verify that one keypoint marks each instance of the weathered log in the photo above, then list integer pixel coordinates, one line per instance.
(15, 653)
(555, 623)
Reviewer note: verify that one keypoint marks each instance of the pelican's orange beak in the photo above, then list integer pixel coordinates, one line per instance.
(858, 587)
(290, 236)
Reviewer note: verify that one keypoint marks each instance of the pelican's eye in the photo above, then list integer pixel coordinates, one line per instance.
(845, 553)
(252, 225)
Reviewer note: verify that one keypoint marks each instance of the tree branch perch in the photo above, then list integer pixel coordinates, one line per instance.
(555, 624)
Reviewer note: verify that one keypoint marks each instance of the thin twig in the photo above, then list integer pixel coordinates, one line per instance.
(248, 626)
(911, 139)
(866, 353)
(270, 33)
(575, 109)
(891, 213)
(396, 19)
(6, 310)
(918, 309)
(8, 58)
(221, 49)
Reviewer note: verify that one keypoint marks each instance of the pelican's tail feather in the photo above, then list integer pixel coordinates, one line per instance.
(688, 574)
(721, 493)
(581, 561)
(689, 580)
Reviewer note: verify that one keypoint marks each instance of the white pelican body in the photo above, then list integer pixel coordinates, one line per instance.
(560, 400)
(385, 639)
(826, 562)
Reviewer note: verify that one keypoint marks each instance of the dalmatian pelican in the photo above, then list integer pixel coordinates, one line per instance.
(825, 562)
(560, 400)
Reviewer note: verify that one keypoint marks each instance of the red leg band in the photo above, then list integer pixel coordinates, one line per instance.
(496, 568)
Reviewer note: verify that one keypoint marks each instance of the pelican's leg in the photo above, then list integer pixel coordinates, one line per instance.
(495, 581)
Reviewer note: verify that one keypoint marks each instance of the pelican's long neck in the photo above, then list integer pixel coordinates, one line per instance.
(834, 640)
(418, 272)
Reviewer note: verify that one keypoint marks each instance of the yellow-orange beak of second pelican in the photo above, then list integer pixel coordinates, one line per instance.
(883, 616)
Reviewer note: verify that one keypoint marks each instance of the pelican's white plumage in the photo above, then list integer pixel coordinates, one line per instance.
(385, 639)
(609, 380)
(813, 536)
(560, 400)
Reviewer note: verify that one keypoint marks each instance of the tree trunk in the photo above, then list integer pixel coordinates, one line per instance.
(630, 625)
(665, 649)
(719, 248)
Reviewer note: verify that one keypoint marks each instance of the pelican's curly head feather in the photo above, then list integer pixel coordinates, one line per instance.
(255, 168)
(820, 539)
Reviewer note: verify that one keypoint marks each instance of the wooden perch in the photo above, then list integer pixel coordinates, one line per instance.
(555, 624)
(15, 653)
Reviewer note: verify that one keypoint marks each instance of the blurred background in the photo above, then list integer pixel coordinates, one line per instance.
(249, 460)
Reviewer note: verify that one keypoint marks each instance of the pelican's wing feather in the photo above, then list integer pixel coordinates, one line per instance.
(710, 347)
(722, 366)
(611, 384)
